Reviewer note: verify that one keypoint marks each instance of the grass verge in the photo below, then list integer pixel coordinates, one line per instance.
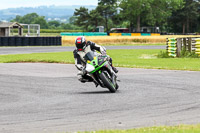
(161, 129)
(57, 57)
(132, 58)
(184, 54)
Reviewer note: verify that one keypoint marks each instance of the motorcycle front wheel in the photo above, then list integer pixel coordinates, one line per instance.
(107, 82)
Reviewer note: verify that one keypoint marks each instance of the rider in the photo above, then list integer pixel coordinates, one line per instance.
(83, 47)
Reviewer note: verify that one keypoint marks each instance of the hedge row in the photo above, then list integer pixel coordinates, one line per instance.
(57, 31)
(49, 31)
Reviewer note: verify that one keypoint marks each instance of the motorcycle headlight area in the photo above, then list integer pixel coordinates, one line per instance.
(89, 68)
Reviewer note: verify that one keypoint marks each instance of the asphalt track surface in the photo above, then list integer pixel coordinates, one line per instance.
(25, 50)
(47, 98)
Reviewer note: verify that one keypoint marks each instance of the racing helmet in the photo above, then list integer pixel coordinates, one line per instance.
(80, 42)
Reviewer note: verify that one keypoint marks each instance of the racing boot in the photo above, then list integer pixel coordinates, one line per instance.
(89, 79)
(115, 69)
(84, 78)
(96, 84)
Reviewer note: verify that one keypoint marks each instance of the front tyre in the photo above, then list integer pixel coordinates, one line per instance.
(107, 82)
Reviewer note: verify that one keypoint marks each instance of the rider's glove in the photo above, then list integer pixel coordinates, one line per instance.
(103, 53)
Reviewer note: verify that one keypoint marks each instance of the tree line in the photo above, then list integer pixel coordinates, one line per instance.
(177, 16)
(34, 18)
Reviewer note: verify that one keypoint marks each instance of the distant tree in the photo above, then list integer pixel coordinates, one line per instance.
(186, 19)
(32, 18)
(17, 19)
(152, 11)
(118, 21)
(82, 17)
(53, 24)
(72, 19)
(198, 23)
(95, 18)
(29, 18)
(132, 10)
(107, 8)
(66, 26)
(26, 19)
(41, 21)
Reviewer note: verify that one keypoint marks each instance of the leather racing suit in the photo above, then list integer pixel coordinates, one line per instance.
(80, 61)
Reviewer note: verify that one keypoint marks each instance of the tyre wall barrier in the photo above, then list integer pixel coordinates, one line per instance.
(30, 41)
(4, 41)
(177, 45)
(196, 43)
(171, 46)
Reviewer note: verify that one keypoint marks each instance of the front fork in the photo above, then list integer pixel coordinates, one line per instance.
(108, 67)
(111, 72)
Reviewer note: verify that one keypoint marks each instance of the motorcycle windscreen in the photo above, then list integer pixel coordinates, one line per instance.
(89, 56)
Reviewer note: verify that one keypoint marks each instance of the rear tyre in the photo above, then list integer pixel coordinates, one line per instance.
(107, 82)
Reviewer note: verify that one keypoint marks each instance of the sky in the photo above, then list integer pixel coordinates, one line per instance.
(4, 4)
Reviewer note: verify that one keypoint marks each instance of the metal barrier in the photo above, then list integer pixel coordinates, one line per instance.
(145, 34)
(105, 34)
(83, 34)
(115, 34)
(30, 41)
(135, 34)
(126, 34)
(155, 34)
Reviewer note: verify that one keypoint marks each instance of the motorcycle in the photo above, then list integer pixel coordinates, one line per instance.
(99, 68)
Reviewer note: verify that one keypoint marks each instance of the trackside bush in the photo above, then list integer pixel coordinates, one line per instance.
(163, 54)
(187, 54)
(184, 54)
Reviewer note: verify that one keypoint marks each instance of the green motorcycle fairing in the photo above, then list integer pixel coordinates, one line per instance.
(97, 61)
(97, 66)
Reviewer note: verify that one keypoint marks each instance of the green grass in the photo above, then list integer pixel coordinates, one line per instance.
(133, 58)
(57, 57)
(135, 44)
(148, 59)
(161, 129)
